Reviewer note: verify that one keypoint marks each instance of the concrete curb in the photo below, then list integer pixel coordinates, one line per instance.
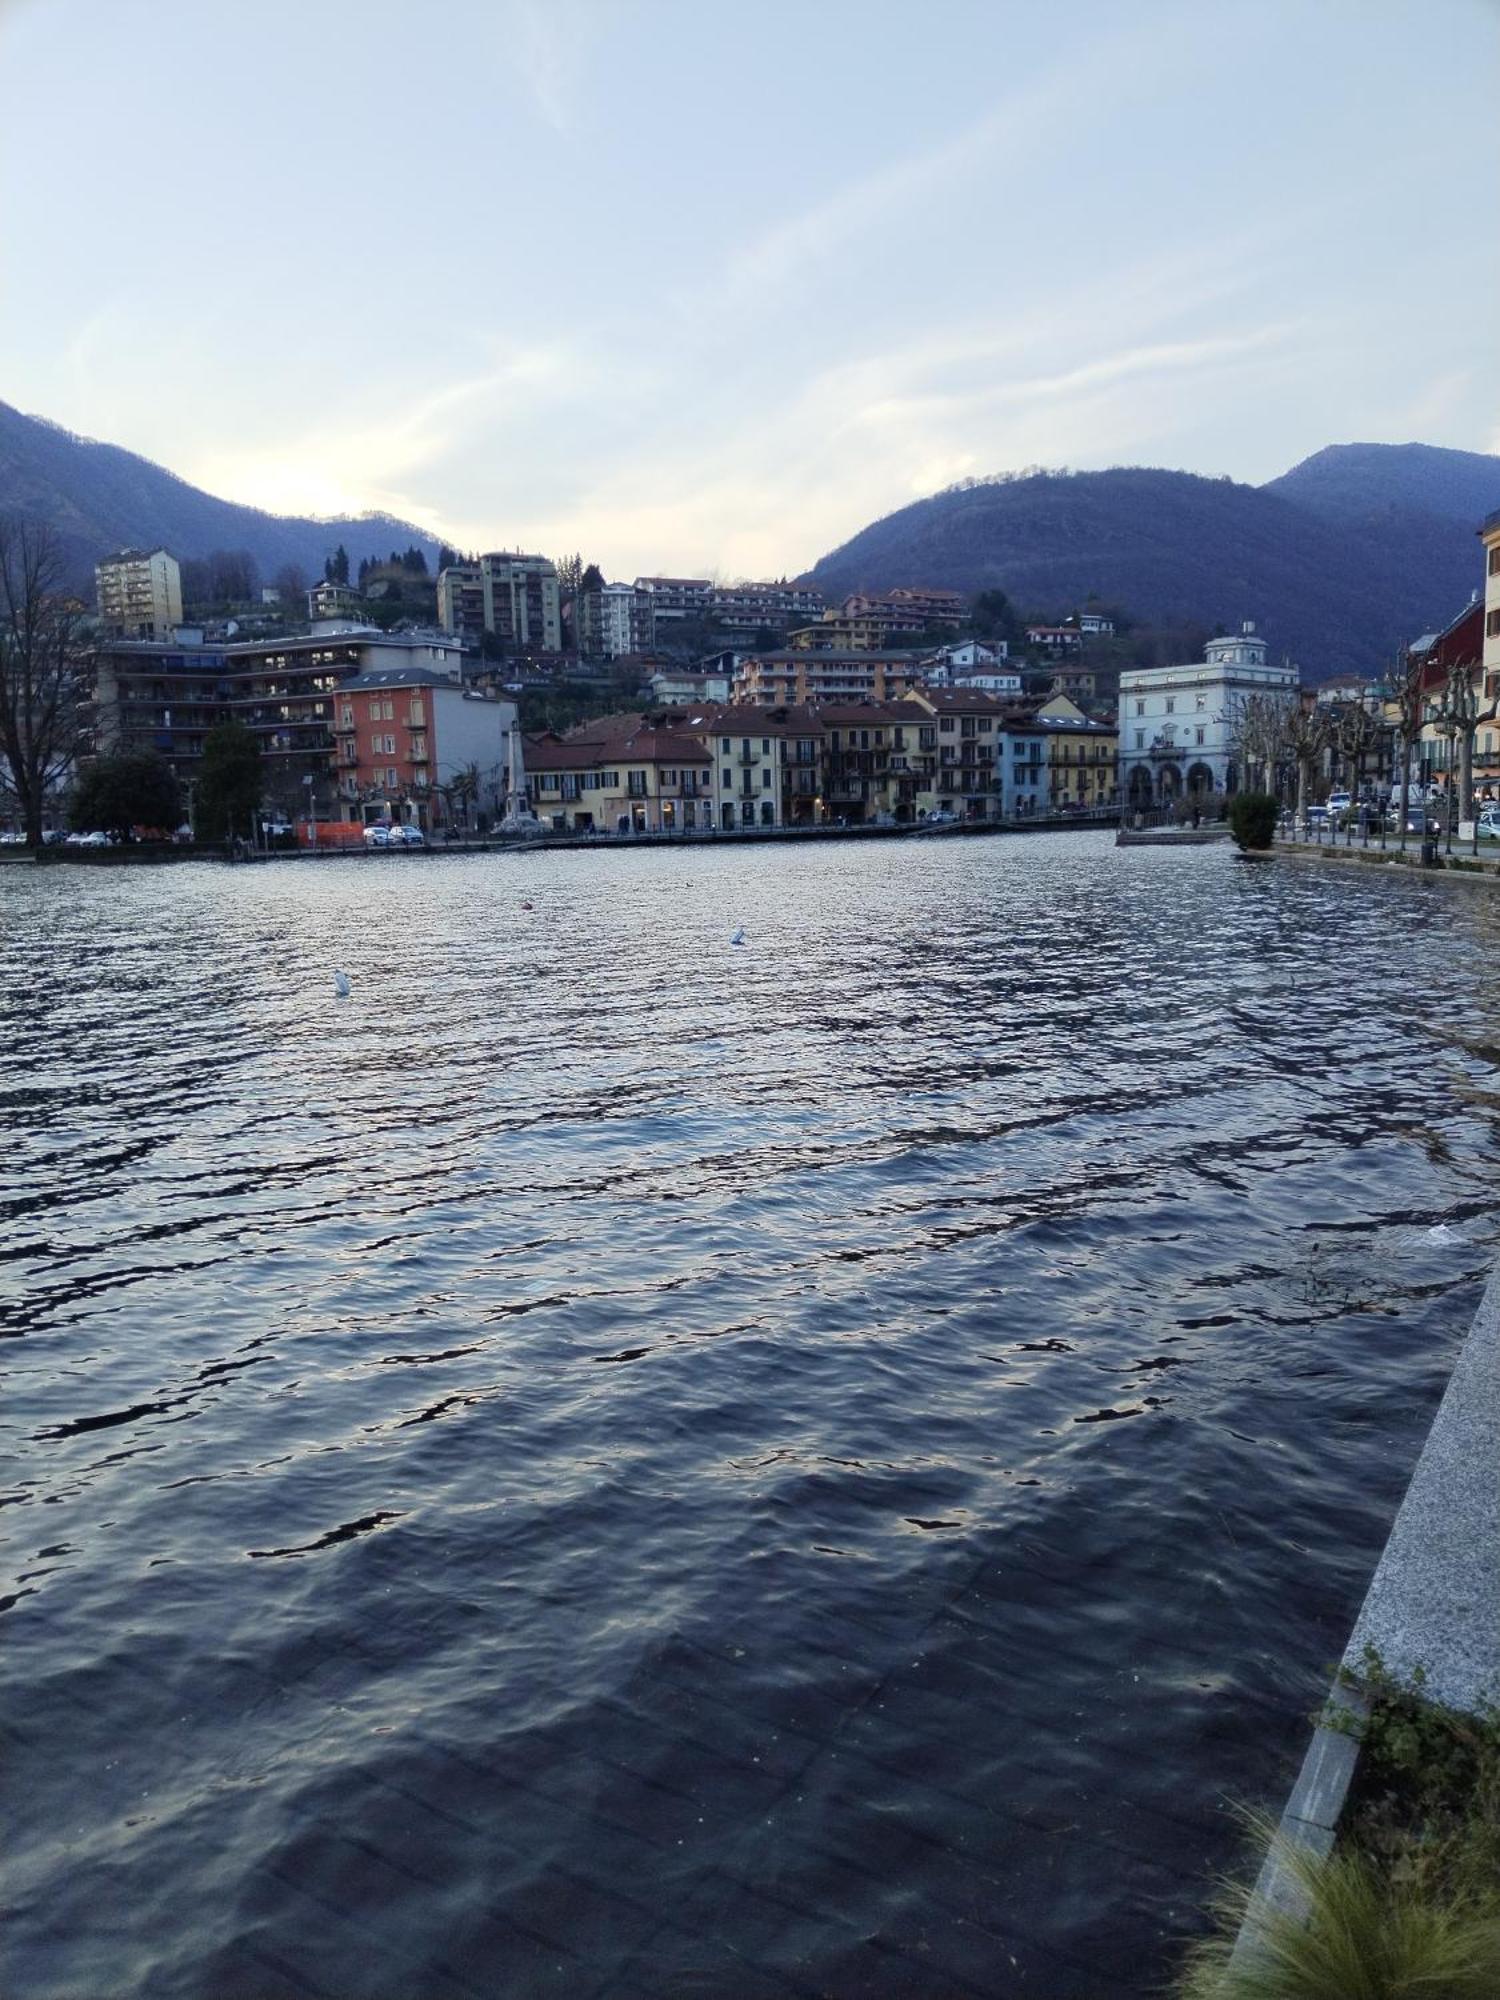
(1433, 1603)
(1455, 868)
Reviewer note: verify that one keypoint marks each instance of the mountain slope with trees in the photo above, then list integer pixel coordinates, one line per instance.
(1334, 589)
(98, 498)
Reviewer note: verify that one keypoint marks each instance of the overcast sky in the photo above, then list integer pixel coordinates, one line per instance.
(704, 286)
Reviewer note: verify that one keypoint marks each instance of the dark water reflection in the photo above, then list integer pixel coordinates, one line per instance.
(612, 1464)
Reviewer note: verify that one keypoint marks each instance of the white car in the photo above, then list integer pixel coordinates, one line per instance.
(1487, 827)
(1338, 803)
(377, 836)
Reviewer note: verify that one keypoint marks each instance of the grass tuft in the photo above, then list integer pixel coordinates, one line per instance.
(1368, 1935)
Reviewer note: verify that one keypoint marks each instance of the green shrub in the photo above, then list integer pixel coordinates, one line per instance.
(1252, 819)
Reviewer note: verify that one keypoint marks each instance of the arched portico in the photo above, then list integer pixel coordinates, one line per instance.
(1138, 788)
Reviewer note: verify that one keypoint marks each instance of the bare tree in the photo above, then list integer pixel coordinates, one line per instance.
(1307, 733)
(42, 667)
(1356, 731)
(1403, 692)
(1258, 730)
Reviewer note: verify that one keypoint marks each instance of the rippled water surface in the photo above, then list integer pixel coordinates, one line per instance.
(612, 1464)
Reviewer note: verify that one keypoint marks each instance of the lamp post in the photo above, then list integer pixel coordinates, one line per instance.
(312, 808)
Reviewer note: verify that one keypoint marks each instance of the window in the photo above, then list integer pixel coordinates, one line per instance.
(945, 723)
(765, 781)
(1495, 560)
(1140, 739)
(1140, 708)
(1200, 702)
(765, 746)
(1198, 733)
(1171, 704)
(1492, 625)
(346, 716)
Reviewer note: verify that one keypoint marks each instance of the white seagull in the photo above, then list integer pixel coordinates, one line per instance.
(341, 985)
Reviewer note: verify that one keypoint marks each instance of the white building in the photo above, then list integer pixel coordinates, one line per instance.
(140, 594)
(1178, 724)
(687, 690)
(626, 621)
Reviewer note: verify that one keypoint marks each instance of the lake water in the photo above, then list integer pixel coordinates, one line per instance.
(614, 1464)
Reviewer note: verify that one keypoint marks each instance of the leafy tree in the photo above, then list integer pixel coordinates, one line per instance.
(415, 561)
(363, 571)
(230, 782)
(43, 671)
(992, 616)
(446, 558)
(135, 788)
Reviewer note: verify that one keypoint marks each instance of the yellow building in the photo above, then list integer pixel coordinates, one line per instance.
(1083, 755)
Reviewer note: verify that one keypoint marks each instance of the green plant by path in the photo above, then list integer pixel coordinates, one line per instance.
(1252, 820)
(1365, 1937)
(1408, 1904)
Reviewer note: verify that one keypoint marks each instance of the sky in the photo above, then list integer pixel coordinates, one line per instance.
(702, 287)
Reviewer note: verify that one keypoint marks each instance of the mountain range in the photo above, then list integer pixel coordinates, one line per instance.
(1352, 553)
(98, 498)
(1338, 561)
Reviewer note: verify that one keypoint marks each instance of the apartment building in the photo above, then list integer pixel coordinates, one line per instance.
(460, 602)
(747, 607)
(793, 678)
(907, 609)
(612, 621)
(140, 594)
(165, 697)
(521, 604)
(333, 600)
(675, 599)
(411, 745)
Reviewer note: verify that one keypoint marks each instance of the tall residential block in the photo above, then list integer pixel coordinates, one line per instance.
(140, 594)
(522, 605)
(460, 601)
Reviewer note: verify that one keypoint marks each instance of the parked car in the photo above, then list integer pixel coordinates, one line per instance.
(377, 836)
(407, 836)
(1338, 802)
(1487, 826)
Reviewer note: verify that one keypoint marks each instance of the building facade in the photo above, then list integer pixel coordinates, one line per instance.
(1178, 726)
(1082, 756)
(675, 600)
(166, 697)
(1487, 739)
(460, 602)
(790, 679)
(140, 594)
(521, 602)
(413, 746)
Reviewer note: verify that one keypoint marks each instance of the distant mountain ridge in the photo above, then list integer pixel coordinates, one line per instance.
(98, 498)
(1339, 561)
